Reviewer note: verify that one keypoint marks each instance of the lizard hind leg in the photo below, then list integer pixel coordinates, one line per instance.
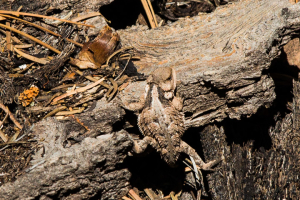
(187, 149)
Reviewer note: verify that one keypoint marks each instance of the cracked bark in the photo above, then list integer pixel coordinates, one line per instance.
(223, 62)
(222, 59)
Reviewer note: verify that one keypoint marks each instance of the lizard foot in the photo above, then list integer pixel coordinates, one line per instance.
(208, 166)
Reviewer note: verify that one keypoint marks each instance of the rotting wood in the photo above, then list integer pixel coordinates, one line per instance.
(252, 170)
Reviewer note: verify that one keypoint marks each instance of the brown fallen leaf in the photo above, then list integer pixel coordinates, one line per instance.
(95, 53)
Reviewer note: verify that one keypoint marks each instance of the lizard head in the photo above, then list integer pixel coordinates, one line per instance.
(165, 78)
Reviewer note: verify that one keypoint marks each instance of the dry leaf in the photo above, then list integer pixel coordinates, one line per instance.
(95, 53)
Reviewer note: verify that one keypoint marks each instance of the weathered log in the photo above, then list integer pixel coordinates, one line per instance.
(80, 171)
(221, 58)
(222, 61)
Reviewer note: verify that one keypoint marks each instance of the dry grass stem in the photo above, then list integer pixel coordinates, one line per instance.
(116, 52)
(89, 15)
(9, 45)
(16, 40)
(1, 123)
(92, 79)
(32, 58)
(72, 112)
(123, 69)
(110, 94)
(3, 136)
(78, 90)
(150, 13)
(134, 195)
(5, 109)
(32, 38)
(42, 28)
(23, 46)
(126, 198)
(58, 22)
(42, 16)
(56, 110)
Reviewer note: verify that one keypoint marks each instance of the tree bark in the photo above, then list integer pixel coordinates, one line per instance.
(221, 59)
(78, 171)
(223, 62)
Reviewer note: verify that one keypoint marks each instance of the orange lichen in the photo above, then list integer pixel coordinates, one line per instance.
(163, 62)
(27, 96)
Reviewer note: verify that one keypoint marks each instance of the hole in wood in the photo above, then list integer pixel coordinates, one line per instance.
(122, 13)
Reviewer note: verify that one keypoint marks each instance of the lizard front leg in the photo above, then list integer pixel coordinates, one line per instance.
(187, 149)
(141, 145)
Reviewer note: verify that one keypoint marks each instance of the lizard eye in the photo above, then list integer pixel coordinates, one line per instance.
(169, 78)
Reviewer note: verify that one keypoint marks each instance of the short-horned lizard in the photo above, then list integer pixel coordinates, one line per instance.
(161, 121)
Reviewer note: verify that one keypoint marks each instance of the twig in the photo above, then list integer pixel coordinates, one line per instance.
(3, 107)
(173, 196)
(60, 87)
(116, 52)
(7, 145)
(126, 198)
(56, 110)
(134, 195)
(1, 123)
(195, 167)
(23, 46)
(8, 38)
(3, 136)
(42, 28)
(89, 98)
(30, 57)
(58, 22)
(14, 137)
(15, 142)
(78, 90)
(92, 79)
(123, 69)
(34, 166)
(70, 112)
(115, 89)
(150, 13)
(32, 38)
(201, 1)
(89, 15)
(151, 194)
(18, 10)
(15, 39)
(196, 170)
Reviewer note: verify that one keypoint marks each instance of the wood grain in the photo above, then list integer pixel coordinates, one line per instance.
(222, 59)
